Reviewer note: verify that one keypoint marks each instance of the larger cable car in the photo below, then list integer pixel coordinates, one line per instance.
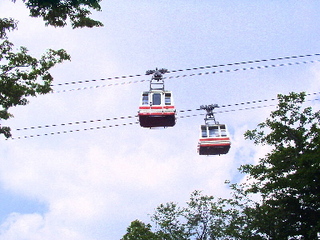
(214, 137)
(156, 106)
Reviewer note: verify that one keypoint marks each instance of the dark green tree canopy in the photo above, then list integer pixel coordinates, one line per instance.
(57, 12)
(6, 24)
(203, 218)
(140, 231)
(288, 178)
(22, 75)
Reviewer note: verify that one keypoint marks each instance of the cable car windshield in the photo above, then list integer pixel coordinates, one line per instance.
(213, 131)
(156, 99)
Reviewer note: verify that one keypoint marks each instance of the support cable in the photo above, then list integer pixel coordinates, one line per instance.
(133, 123)
(131, 116)
(134, 116)
(189, 69)
(74, 131)
(192, 75)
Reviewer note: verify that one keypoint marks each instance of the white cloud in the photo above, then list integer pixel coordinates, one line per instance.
(36, 227)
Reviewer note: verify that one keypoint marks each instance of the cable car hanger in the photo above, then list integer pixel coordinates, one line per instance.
(157, 82)
(209, 115)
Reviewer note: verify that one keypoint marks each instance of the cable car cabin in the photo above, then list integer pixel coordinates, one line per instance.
(214, 140)
(157, 109)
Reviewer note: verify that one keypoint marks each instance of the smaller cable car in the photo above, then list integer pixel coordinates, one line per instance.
(156, 106)
(214, 137)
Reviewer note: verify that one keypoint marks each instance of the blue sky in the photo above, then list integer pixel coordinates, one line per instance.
(90, 185)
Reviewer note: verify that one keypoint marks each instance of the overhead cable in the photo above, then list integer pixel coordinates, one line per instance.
(125, 124)
(131, 116)
(133, 123)
(193, 75)
(74, 131)
(194, 68)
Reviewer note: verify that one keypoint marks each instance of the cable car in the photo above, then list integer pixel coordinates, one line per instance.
(156, 106)
(214, 137)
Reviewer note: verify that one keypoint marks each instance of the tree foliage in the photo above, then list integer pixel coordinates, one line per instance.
(288, 178)
(22, 75)
(203, 217)
(140, 231)
(57, 12)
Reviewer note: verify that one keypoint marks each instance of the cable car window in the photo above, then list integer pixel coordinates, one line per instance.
(168, 98)
(213, 131)
(223, 130)
(156, 99)
(204, 131)
(145, 99)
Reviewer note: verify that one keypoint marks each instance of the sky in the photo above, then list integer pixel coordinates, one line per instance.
(90, 184)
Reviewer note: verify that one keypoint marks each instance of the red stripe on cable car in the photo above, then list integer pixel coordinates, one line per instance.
(215, 139)
(156, 114)
(160, 107)
(168, 107)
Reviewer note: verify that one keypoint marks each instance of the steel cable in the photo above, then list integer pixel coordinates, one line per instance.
(194, 68)
(132, 123)
(192, 75)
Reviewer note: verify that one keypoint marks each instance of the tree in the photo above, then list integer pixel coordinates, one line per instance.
(203, 218)
(56, 12)
(22, 75)
(140, 231)
(288, 178)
